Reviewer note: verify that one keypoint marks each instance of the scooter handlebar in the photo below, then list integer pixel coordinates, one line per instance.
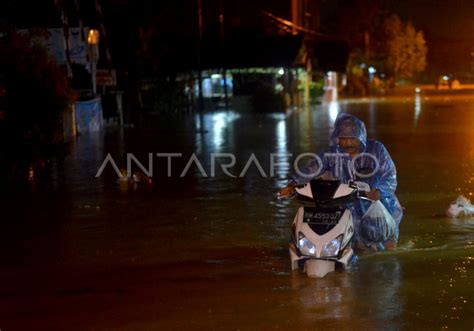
(361, 191)
(363, 196)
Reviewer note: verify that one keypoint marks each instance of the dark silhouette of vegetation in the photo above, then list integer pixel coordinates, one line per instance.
(381, 42)
(402, 50)
(35, 94)
(36, 88)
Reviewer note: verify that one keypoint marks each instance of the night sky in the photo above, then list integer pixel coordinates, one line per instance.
(448, 24)
(441, 18)
(448, 27)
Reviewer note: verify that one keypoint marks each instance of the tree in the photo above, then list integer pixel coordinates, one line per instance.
(402, 49)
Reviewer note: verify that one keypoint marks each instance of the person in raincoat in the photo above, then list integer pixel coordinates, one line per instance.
(350, 154)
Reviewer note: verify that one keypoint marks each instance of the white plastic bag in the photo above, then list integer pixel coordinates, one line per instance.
(377, 225)
(461, 207)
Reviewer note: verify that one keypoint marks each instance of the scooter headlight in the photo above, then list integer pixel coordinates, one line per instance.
(332, 248)
(305, 246)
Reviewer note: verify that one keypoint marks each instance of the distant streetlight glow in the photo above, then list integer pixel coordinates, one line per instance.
(93, 37)
(445, 77)
(93, 41)
(372, 70)
(281, 71)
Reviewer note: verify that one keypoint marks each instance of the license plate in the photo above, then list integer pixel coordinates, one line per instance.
(319, 216)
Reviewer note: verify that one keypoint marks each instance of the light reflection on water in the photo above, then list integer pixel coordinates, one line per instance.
(333, 111)
(239, 221)
(282, 156)
(417, 108)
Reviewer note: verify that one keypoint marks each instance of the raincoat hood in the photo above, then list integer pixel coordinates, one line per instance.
(349, 126)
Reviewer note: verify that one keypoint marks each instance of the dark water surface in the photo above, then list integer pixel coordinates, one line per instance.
(79, 252)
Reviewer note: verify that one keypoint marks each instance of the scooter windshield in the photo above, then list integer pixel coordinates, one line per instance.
(323, 190)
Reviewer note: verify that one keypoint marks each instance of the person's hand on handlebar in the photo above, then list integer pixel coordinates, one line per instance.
(287, 191)
(374, 194)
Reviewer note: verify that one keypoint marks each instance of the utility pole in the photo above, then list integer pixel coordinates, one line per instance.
(295, 13)
(223, 45)
(306, 24)
(64, 20)
(200, 34)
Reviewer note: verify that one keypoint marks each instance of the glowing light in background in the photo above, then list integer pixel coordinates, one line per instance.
(207, 87)
(31, 174)
(93, 37)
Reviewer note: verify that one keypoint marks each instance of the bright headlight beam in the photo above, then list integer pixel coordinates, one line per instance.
(332, 248)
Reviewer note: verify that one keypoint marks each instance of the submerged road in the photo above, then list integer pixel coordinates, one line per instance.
(210, 253)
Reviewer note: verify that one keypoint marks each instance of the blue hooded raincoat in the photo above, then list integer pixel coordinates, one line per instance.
(373, 159)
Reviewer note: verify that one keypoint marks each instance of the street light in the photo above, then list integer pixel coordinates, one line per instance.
(93, 37)
(372, 72)
(93, 42)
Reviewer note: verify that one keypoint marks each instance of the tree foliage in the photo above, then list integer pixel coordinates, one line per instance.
(402, 49)
(378, 39)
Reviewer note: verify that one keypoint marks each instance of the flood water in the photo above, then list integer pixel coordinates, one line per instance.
(211, 253)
